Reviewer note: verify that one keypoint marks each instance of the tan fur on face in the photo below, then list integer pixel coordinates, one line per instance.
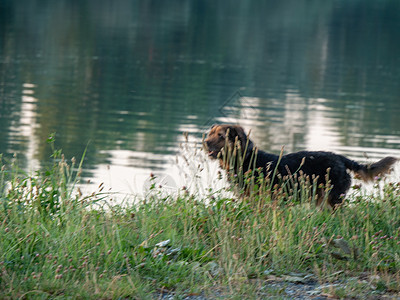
(219, 135)
(216, 139)
(223, 143)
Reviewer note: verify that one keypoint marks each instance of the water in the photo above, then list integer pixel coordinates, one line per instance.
(126, 78)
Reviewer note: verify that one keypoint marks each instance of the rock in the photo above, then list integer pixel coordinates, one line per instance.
(173, 253)
(342, 244)
(339, 256)
(294, 279)
(163, 243)
(214, 269)
(268, 272)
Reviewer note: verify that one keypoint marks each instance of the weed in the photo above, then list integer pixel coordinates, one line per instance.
(52, 245)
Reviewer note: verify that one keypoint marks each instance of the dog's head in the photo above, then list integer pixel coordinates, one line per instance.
(219, 135)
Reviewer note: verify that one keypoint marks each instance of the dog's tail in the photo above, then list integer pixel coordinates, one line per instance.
(368, 172)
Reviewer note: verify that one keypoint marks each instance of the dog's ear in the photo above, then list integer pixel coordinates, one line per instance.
(213, 125)
(238, 131)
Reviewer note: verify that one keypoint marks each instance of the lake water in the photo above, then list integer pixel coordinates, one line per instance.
(127, 78)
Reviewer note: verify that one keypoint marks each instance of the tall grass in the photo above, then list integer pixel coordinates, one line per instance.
(55, 244)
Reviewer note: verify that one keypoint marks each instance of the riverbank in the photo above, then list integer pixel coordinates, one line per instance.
(56, 243)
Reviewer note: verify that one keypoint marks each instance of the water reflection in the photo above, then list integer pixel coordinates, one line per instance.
(323, 131)
(130, 77)
(190, 168)
(313, 124)
(23, 128)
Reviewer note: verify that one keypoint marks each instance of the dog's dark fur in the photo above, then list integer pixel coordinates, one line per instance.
(315, 164)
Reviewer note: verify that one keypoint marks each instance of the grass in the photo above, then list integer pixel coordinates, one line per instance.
(56, 243)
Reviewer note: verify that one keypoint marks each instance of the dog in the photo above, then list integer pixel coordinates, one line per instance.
(324, 168)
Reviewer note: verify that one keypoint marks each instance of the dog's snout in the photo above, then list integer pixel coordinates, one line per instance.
(207, 143)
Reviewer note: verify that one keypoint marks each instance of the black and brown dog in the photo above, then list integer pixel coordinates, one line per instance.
(314, 164)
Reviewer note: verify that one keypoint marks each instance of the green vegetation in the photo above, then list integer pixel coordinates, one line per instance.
(56, 243)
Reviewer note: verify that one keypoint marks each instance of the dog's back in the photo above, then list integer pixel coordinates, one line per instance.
(323, 167)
